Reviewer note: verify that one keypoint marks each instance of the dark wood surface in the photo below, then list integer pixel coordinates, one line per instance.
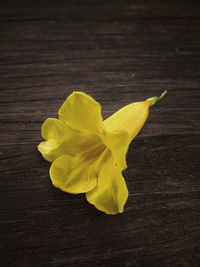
(118, 52)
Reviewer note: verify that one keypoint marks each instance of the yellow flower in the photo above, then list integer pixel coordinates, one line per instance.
(88, 154)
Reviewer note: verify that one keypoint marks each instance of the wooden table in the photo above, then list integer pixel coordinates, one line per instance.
(118, 52)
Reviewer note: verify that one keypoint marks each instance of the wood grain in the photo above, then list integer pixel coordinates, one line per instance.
(118, 52)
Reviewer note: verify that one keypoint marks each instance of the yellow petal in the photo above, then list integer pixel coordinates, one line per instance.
(117, 142)
(130, 118)
(50, 150)
(111, 192)
(76, 174)
(53, 129)
(82, 112)
(62, 139)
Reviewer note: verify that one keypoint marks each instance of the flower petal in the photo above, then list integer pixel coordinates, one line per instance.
(111, 192)
(62, 139)
(76, 174)
(53, 129)
(130, 118)
(117, 142)
(50, 150)
(82, 112)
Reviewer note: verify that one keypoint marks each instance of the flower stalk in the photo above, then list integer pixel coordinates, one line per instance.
(155, 99)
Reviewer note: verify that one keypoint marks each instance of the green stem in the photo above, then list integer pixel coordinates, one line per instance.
(155, 99)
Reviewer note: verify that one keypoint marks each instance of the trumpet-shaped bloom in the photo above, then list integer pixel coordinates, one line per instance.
(88, 154)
